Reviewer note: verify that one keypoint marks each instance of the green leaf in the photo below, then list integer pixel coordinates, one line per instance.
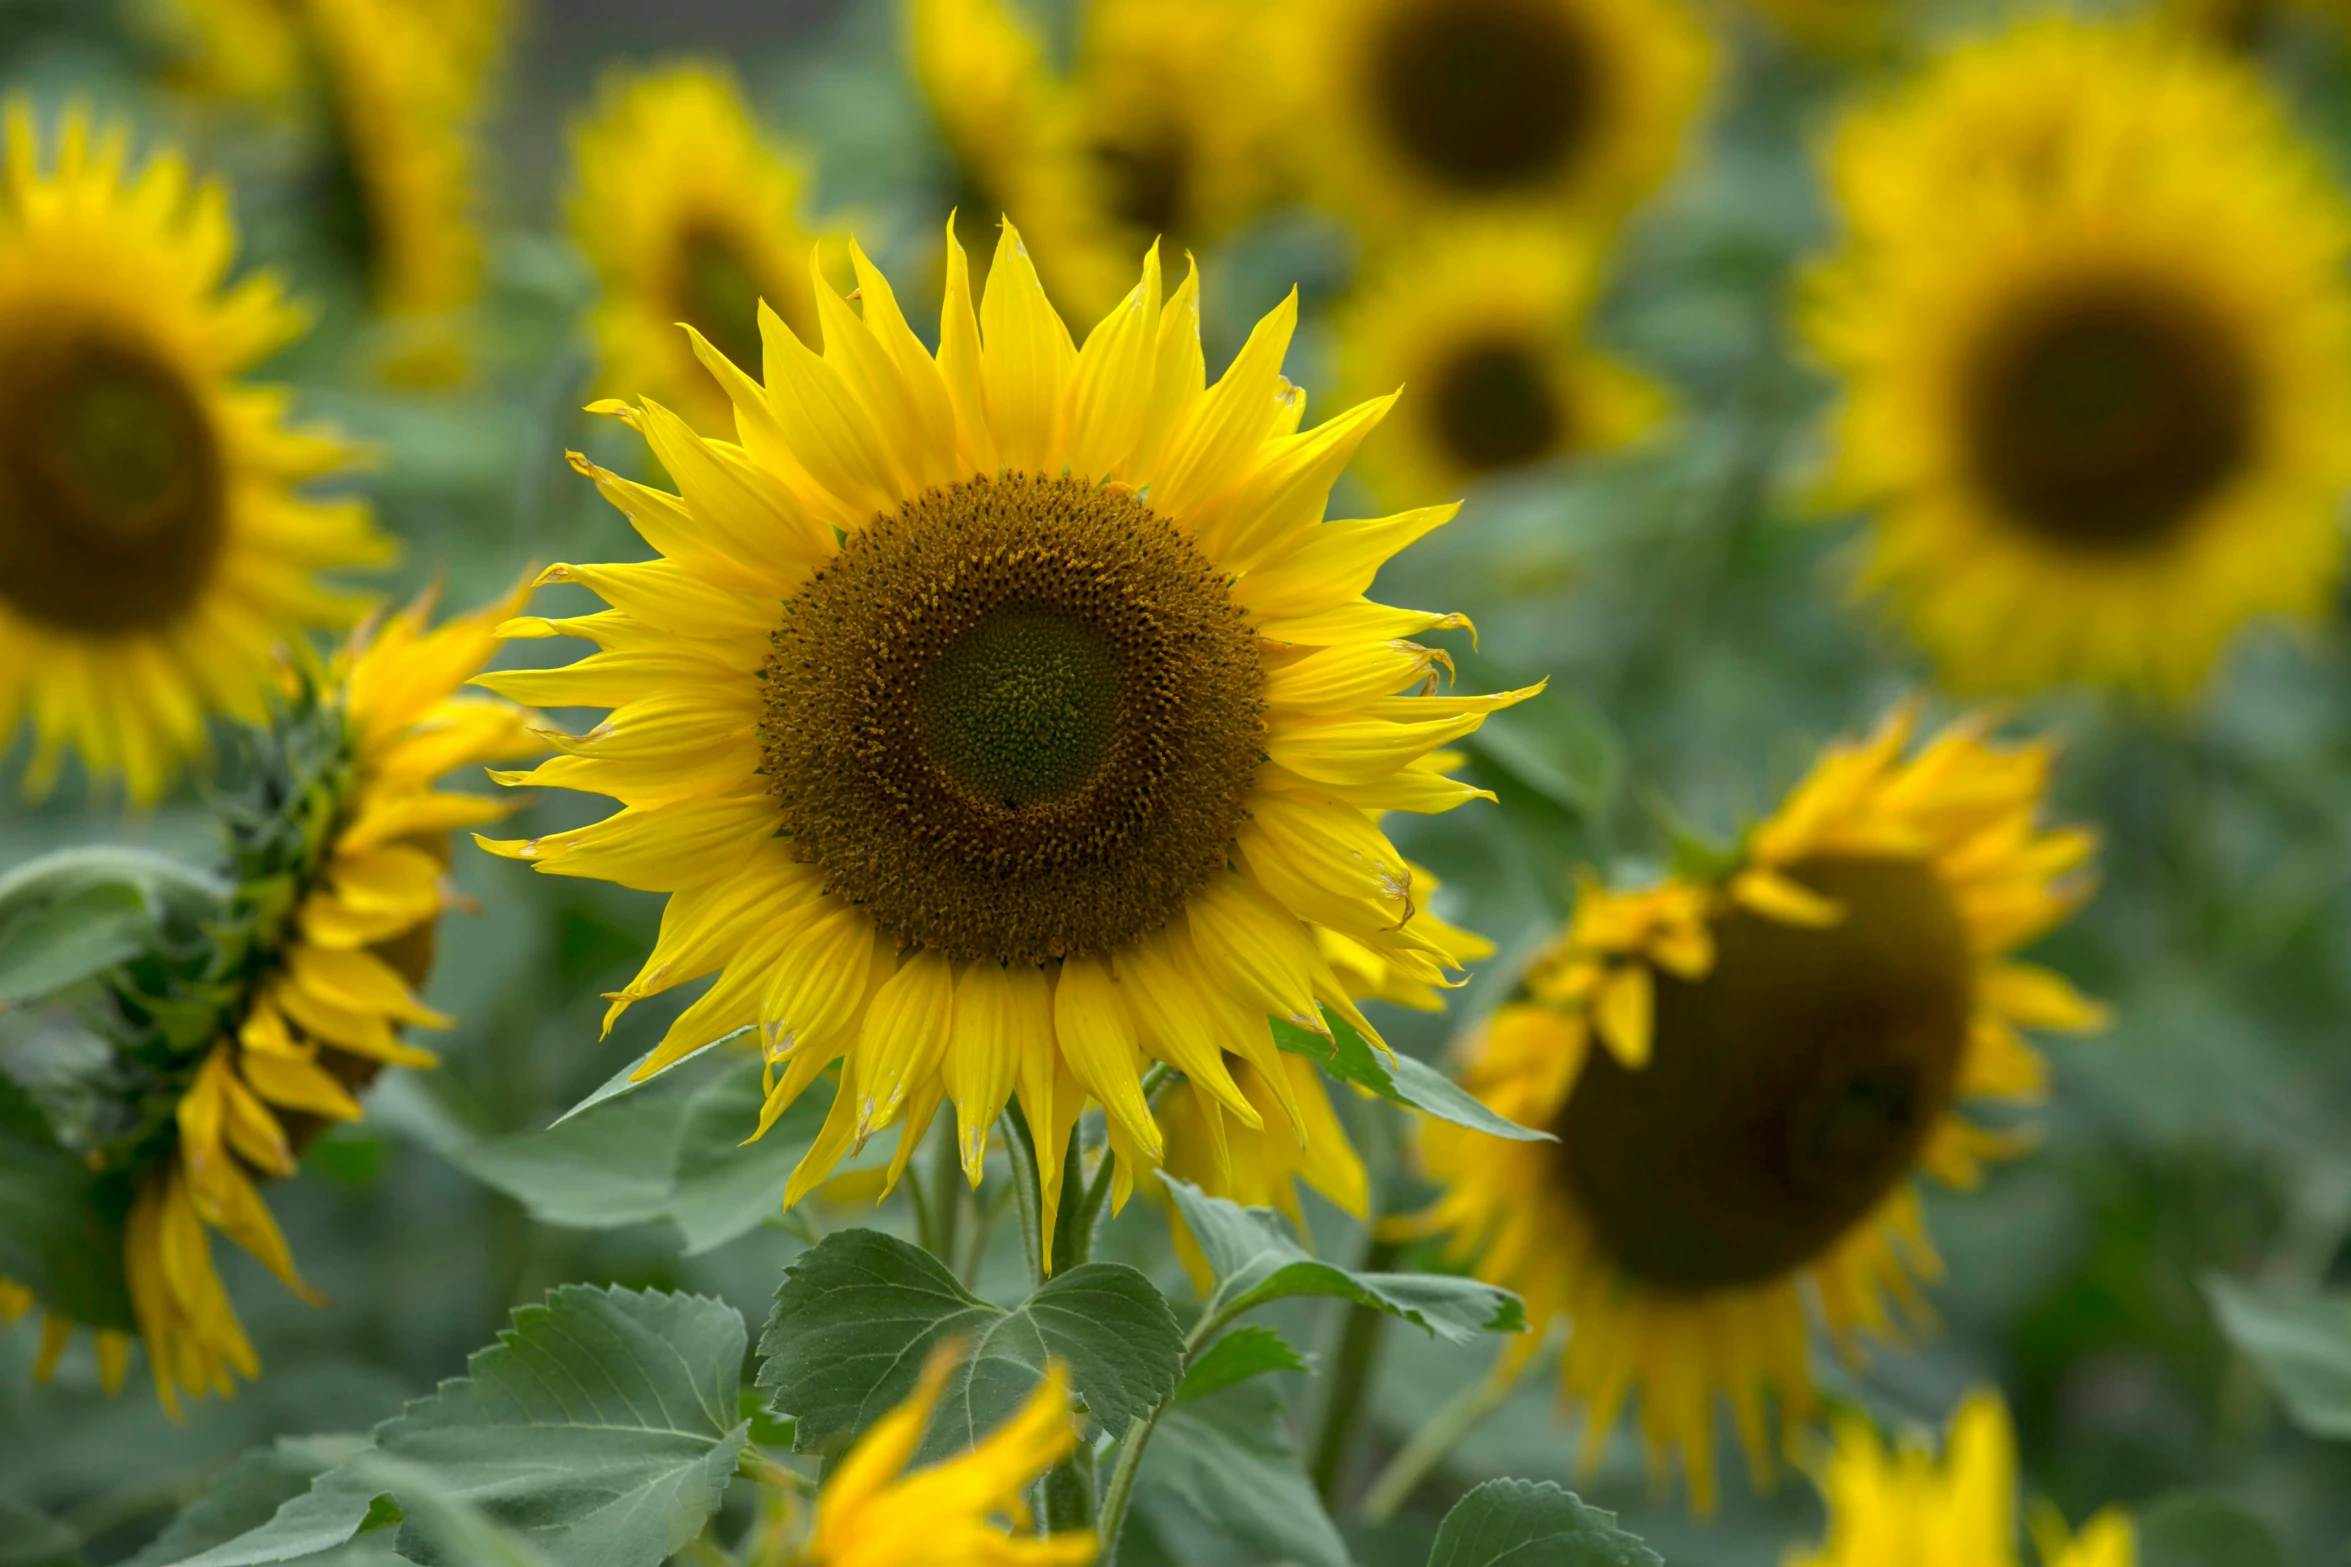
(2198, 1529)
(2302, 1343)
(722, 1187)
(1256, 1260)
(1530, 1523)
(1239, 1355)
(29, 1538)
(439, 1524)
(244, 1496)
(600, 1429)
(625, 1081)
(1346, 1055)
(858, 1314)
(69, 916)
(1229, 1462)
(605, 1171)
(61, 1223)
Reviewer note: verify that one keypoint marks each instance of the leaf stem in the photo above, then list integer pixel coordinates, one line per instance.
(1121, 1489)
(1073, 1238)
(1428, 1447)
(1022, 1148)
(1352, 1370)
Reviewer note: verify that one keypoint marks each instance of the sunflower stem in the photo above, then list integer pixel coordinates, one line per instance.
(1022, 1147)
(1350, 1383)
(1430, 1445)
(946, 1193)
(1073, 1238)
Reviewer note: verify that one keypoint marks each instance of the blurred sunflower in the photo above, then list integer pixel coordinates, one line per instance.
(1064, 740)
(1902, 1509)
(688, 214)
(1577, 108)
(1485, 324)
(2097, 349)
(958, 1511)
(1837, 27)
(153, 548)
(2239, 24)
(244, 1035)
(1018, 143)
(1783, 1041)
(398, 86)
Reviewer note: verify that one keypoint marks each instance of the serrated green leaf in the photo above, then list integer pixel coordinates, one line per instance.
(2302, 1343)
(1255, 1260)
(1348, 1056)
(1531, 1523)
(246, 1495)
(61, 1223)
(600, 1429)
(858, 1313)
(1241, 1354)
(1228, 1460)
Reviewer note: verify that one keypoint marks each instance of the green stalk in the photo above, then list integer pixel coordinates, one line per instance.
(946, 1193)
(1022, 1147)
(1349, 1383)
(1432, 1442)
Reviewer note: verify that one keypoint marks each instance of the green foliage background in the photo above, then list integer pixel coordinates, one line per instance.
(1700, 644)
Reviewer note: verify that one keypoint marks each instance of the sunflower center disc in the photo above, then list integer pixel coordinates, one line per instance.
(1485, 95)
(1790, 1090)
(111, 494)
(1494, 408)
(1150, 180)
(2103, 422)
(1016, 719)
(719, 293)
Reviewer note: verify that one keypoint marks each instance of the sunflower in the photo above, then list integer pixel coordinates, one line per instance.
(254, 1028)
(999, 718)
(958, 1511)
(1900, 1508)
(1178, 118)
(1783, 1041)
(2097, 351)
(1485, 322)
(398, 86)
(154, 549)
(1847, 28)
(688, 214)
(1017, 141)
(1577, 108)
(2240, 24)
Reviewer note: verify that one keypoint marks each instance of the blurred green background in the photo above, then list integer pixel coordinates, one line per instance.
(1701, 643)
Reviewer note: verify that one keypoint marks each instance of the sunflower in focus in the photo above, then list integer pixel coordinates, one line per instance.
(154, 548)
(1744, 1069)
(2096, 345)
(1901, 1508)
(1017, 141)
(688, 214)
(1577, 108)
(1484, 323)
(871, 1513)
(397, 87)
(1001, 719)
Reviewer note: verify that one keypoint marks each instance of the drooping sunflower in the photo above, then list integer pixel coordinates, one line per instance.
(1744, 1069)
(1018, 144)
(396, 87)
(1901, 1508)
(959, 1512)
(250, 1024)
(154, 546)
(1484, 323)
(999, 718)
(2096, 340)
(1575, 108)
(689, 214)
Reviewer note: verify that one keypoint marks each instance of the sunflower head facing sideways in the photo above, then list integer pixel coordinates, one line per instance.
(689, 214)
(1484, 324)
(1900, 1507)
(1002, 718)
(1576, 108)
(253, 1020)
(1744, 1068)
(2096, 344)
(154, 546)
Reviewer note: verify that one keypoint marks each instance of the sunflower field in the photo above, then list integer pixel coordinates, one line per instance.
(1018, 783)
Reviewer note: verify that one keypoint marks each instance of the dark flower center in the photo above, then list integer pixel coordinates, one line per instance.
(719, 292)
(1493, 407)
(1018, 718)
(1486, 95)
(2103, 421)
(112, 498)
(1790, 1091)
(1148, 180)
